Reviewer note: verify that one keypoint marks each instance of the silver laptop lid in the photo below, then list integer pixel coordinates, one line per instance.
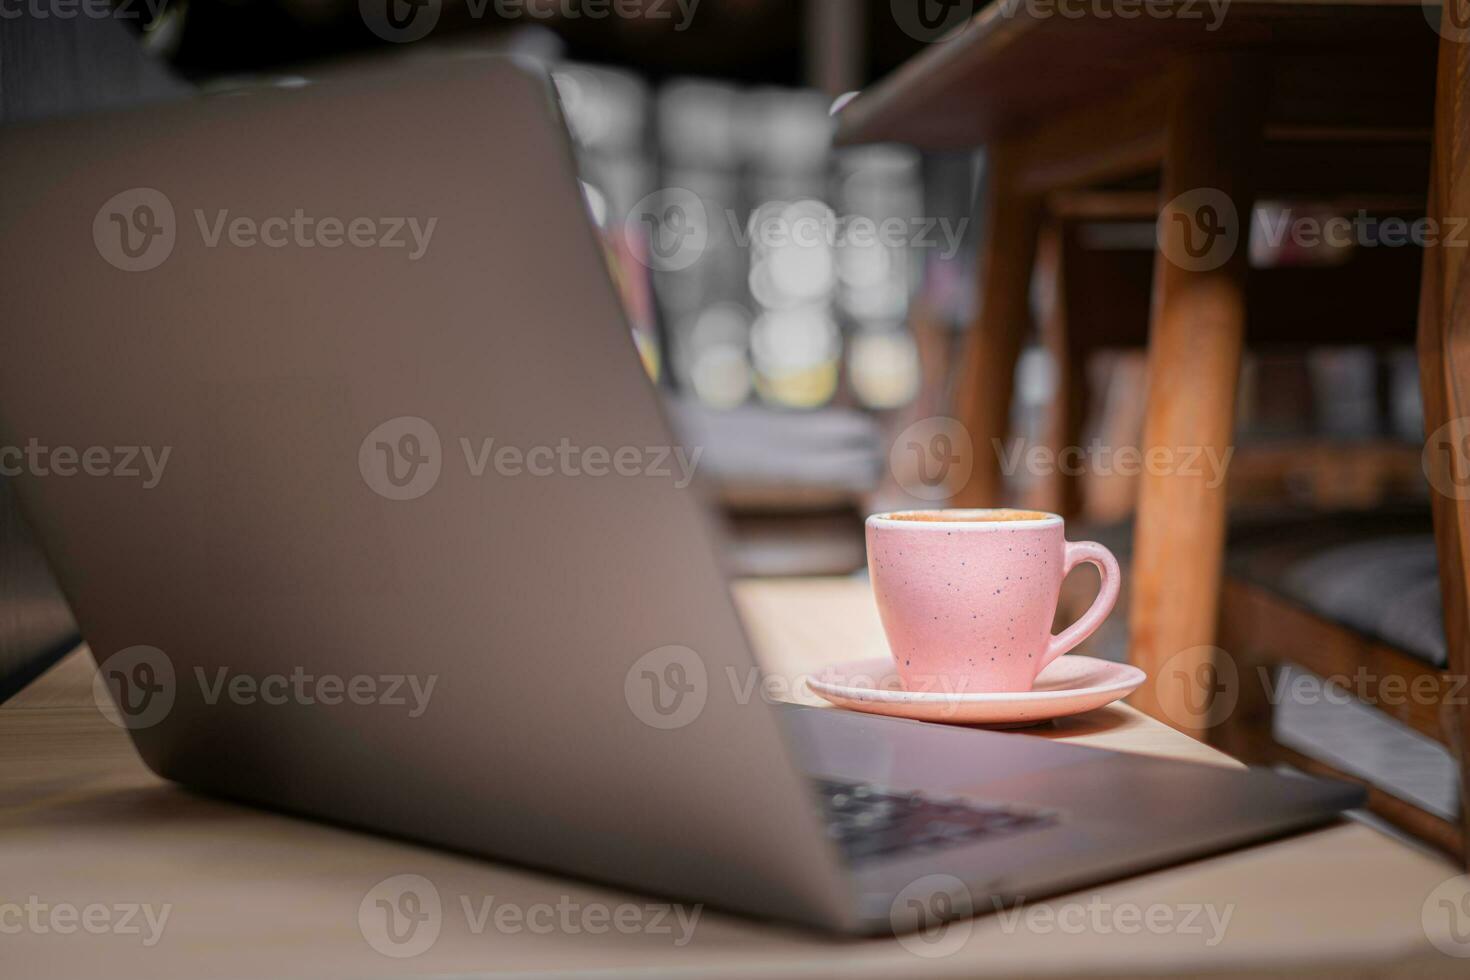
(273, 359)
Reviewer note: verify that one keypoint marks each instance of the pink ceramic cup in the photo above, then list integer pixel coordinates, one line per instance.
(967, 596)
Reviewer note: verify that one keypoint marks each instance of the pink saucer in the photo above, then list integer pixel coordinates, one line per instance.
(1068, 686)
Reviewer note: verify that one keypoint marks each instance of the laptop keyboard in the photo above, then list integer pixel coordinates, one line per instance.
(869, 822)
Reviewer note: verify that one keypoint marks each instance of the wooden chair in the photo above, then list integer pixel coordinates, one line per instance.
(1444, 358)
(1286, 100)
(1262, 630)
(1091, 299)
(1351, 600)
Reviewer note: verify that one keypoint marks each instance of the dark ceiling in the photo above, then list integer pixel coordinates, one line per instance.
(752, 41)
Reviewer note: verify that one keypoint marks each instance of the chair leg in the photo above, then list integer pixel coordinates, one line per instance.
(1110, 496)
(1444, 370)
(1060, 490)
(1198, 321)
(983, 400)
(1244, 729)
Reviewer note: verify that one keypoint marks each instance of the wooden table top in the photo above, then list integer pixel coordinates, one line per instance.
(250, 893)
(1019, 62)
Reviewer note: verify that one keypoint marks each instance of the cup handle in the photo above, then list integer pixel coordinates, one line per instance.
(1075, 554)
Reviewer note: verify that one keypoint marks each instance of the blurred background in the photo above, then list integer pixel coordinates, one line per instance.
(793, 342)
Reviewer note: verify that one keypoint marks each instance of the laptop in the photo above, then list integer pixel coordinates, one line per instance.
(323, 406)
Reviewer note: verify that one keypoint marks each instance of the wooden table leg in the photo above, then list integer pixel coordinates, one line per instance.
(1060, 491)
(1196, 330)
(983, 399)
(1444, 373)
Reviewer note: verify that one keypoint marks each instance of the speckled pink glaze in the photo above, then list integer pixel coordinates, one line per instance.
(967, 603)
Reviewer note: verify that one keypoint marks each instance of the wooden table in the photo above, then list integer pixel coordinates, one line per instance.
(253, 894)
(1272, 99)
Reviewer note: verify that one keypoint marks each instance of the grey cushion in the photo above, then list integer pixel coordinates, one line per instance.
(1386, 587)
(1374, 573)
